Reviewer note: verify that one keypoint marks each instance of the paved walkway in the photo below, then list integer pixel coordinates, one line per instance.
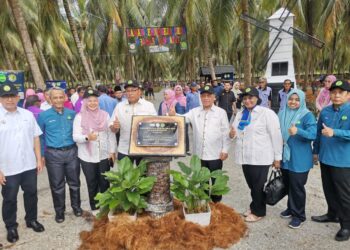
(270, 233)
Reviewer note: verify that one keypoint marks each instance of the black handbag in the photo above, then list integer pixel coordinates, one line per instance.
(274, 188)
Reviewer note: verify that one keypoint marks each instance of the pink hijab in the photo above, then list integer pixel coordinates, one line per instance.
(29, 92)
(180, 98)
(171, 102)
(41, 97)
(92, 121)
(324, 99)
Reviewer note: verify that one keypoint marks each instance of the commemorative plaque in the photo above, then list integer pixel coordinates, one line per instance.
(157, 136)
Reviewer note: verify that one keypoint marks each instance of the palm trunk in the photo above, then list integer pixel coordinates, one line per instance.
(26, 42)
(53, 72)
(207, 53)
(332, 54)
(43, 60)
(247, 47)
(7, 56)
(70, 70)
(78, 43)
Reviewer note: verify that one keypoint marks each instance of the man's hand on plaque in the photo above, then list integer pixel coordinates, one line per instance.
(172, 111)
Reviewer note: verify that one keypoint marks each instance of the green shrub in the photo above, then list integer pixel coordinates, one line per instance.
(193, 186)
(128, 188)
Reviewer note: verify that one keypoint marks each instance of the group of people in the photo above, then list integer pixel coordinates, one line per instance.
(63, 139)
(289, 140)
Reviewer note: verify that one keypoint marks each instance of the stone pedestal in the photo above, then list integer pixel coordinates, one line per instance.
(159, 199)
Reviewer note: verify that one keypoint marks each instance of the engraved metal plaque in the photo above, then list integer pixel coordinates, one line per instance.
(157, 134)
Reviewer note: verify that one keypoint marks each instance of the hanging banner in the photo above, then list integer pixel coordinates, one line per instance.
(56, 83)
(14, 77)
(156, 39)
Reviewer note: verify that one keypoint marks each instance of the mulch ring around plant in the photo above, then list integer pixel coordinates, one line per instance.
(169, 232)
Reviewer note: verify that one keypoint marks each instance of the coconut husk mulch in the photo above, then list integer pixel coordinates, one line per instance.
(169, 232)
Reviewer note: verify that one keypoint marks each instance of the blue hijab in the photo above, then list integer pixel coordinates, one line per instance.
(288, 117)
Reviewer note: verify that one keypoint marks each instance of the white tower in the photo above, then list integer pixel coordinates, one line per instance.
(281, 65)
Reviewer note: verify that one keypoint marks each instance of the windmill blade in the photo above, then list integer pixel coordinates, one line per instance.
(306, 37)
(262, 25)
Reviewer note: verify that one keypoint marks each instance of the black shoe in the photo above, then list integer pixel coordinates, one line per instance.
(342, 235)
(324, 218)
(78, 212)
(188, 153)
(12, 235)
(36, 226)
(59, 217)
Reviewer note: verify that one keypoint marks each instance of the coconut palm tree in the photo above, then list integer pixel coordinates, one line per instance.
(26, 42)
(78, 43)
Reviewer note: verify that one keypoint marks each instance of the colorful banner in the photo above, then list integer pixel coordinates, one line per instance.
(13, 77)
(56, 83)
(156, 39)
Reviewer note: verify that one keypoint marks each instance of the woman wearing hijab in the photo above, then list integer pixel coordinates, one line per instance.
(236, 90)
(323, 99)
(33, 105)
(181, 109)
(29, 92)
(168, 103)
(257, 146)
(96, 144)
(180, 98)
(298, 126)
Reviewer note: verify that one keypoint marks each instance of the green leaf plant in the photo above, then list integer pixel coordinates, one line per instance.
(128, 189)
(193, 185)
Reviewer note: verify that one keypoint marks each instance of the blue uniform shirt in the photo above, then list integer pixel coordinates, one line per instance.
(265, 95)
(57, 128)
(107, 103)
(192, 101)
(300, 145)
(335, 150)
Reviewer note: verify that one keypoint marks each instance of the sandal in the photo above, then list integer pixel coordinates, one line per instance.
(248, 212)
(252, 218)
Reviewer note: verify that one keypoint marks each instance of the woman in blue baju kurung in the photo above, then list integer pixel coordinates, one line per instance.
(298, 126)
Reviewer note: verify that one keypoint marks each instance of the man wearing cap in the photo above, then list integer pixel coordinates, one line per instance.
(211, 140)
(192, 98)
(332, 146)
(106, 102)
(265, 93)
(122, 117)
(20, 161)
(60, 154)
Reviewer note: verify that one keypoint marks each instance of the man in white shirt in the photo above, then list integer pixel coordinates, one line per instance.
(210, 126)
(47, 103)
(20, 161)
(74, 98)
(122, 117)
